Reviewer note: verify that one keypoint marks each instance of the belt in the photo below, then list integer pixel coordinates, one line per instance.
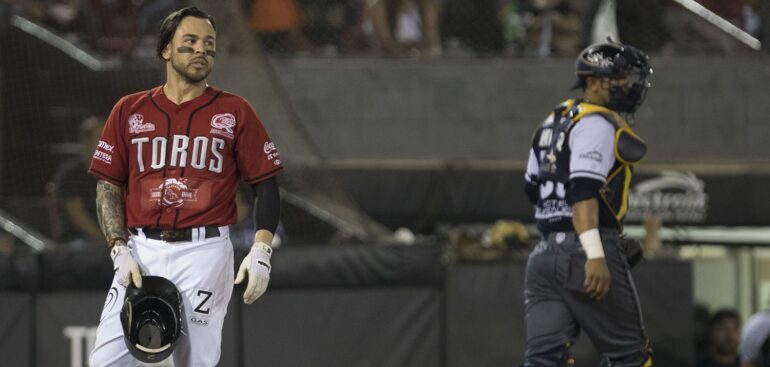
(175, 235)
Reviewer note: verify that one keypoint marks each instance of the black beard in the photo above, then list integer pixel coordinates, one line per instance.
(189, 77)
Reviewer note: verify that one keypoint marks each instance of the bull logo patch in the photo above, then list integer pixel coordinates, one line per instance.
(173, 193)
(137, 125)
(223, 124)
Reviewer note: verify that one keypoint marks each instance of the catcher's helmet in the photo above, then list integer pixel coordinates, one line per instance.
(152, 319)
(616, 60)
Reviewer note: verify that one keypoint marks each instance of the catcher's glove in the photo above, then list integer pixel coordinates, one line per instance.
(632, 249)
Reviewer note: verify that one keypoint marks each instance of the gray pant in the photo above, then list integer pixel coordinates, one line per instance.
(558, 307)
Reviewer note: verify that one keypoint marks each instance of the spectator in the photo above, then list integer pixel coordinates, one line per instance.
(335, 24)
(755, 341)
(7, 243)
(71, 20)
(701, 331)
(404, 27)
(554, 30)
(32, 10)
(153, 12)
(723, 337)
(117, 28)
(481, 25)
(642, 24)
(76, 191)
(692, 35)
(653, 244)
(652, 226)
(279, 25)
(751, 17)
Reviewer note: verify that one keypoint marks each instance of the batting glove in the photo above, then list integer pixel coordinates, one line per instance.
(126, 268)
(257, 265)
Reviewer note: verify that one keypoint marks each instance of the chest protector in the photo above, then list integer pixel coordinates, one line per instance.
(554, 155)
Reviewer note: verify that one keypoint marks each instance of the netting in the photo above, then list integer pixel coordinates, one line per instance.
(49, 87)
(64, 63)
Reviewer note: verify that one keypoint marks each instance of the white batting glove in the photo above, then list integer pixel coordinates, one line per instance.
(257, 265)
(126, 268)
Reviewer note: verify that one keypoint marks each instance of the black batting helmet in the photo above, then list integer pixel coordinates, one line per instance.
(152, 319)
(616, 60)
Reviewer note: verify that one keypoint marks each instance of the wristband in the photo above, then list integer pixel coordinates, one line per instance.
(592, 243)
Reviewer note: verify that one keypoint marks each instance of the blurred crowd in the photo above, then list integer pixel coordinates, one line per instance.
(113, 28)
(722, 340)
(528, 28)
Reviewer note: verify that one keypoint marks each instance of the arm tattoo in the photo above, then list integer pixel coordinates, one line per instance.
(110, 210)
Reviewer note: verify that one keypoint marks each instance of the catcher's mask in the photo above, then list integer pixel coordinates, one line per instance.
(152, 319)
(616, 60)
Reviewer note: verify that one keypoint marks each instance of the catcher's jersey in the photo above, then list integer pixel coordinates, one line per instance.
(586, 149)
(180, 164)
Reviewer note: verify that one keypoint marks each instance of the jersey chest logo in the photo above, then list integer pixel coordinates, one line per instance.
(200, 152)
(173, 192)
(223, 124)
(137, 125)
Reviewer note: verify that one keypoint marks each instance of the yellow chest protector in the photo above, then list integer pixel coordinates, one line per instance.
(629, 149)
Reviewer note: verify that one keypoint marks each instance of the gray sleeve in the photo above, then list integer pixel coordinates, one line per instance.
(533, 167)
(592, 142)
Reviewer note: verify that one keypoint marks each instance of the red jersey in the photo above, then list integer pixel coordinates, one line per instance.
(180, 164)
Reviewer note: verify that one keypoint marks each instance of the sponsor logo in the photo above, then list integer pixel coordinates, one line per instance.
(174, 193)
(674, 196)
(268, 147)
(592, 155)
(560, 237)
(272, 152)
(200, 322)
(136, 124)
(102, 156)
(112, 297)
(105, 146)
(223, 124)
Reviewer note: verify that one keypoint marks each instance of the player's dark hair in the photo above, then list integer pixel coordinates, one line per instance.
(169, 25)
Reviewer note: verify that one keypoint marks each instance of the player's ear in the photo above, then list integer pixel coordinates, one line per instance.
(166, 54)
(592, 84)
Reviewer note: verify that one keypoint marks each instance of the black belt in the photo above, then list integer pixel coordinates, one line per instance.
(175, 235)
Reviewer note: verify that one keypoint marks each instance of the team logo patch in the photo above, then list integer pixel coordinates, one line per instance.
(137, 125)
(600, 60)
(223, 124)
(174, 193)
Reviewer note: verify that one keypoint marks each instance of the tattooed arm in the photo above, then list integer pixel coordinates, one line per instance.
(111, 212)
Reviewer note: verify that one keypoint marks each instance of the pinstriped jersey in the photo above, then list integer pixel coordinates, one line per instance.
(180, 164)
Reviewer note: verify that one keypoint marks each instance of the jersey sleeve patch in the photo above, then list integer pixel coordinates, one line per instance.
(592, 142)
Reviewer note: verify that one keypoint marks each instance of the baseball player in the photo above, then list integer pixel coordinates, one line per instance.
(578, 175)
(168, 166)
